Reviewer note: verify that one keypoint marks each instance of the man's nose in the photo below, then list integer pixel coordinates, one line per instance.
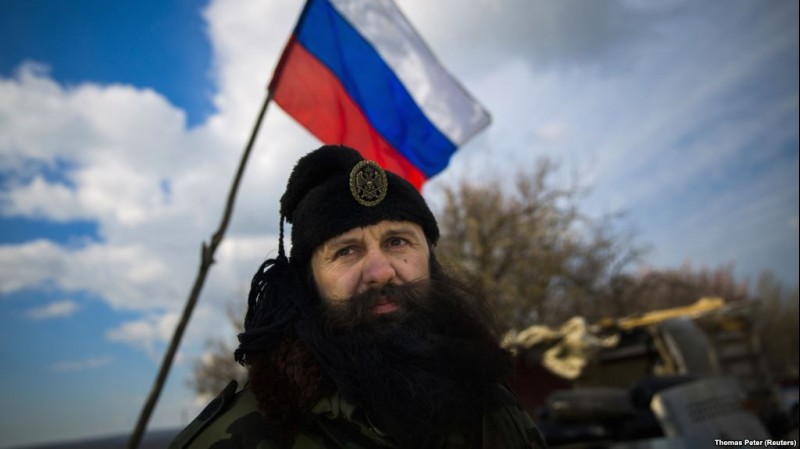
(378, 269)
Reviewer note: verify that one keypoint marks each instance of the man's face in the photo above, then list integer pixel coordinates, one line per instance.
(390, 252)
(401, 340)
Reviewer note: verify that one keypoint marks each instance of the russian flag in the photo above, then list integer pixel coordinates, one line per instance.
(355, 73)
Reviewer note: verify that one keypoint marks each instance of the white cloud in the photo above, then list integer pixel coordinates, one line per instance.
(552, 130)
(87, 122)
(121, 146)
(146, 333)
(127, 277)
(545, 34)
(58, 309)
(82, 365)
(154, 330)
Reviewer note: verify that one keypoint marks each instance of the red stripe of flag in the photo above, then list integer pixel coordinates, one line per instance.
(315, 97)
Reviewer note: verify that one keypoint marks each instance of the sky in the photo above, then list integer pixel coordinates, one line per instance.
(121, 124)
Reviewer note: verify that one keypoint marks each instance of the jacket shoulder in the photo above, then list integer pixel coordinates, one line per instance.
(230, 420)
(510, 423)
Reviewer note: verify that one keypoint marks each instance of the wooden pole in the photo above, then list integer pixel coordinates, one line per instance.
(206, 260)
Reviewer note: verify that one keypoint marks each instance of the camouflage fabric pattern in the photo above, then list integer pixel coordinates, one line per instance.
(233, 421)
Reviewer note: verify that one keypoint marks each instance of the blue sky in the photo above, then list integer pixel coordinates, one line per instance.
(121, 124)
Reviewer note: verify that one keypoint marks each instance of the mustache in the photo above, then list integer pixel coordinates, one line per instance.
(357, 312)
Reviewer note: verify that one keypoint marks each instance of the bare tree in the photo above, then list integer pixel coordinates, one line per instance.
(652, 289)
(778, 326)
(216, 366)
(531, 252)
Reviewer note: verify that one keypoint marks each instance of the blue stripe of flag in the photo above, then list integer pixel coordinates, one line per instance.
(373, 85)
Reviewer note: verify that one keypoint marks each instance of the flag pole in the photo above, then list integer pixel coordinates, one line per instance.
(206, 260)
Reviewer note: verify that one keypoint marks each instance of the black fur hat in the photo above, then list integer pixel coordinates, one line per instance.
(333, 189)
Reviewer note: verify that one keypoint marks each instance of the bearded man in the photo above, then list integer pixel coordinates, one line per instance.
(359, 339)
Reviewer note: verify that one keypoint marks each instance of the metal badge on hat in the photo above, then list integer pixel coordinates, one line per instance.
(368, 183)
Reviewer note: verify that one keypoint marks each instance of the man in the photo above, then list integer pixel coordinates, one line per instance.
(359, 339)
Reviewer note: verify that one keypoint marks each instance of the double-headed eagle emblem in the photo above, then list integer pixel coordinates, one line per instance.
(368, 183)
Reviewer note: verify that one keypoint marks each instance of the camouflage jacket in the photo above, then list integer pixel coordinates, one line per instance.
(233, 420)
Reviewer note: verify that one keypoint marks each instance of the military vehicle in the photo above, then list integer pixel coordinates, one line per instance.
(688, 377)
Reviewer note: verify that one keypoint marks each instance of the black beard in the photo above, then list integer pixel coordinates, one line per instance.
(420, 372)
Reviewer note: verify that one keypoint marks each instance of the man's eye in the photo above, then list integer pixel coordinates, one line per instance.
(397, 241)
(344, 252)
